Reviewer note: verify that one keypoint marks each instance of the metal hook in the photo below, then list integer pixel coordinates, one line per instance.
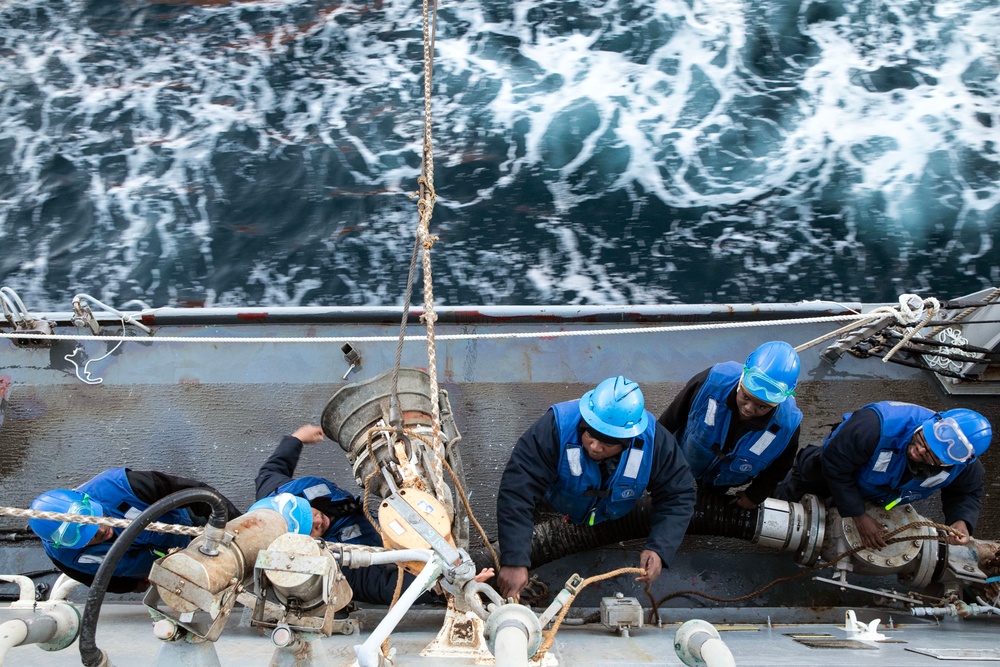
(352, 356)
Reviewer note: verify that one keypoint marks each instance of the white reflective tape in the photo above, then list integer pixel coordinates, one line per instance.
(573, 455)
(882, 464)
(397, 527)
(935, 480)
(350, 532)
(315, 491)
(91, 558)
(762, 442)
(710, 412)
(132, 513)
(633, 464)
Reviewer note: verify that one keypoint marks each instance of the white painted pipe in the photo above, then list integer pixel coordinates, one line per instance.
(25, 586)
(715, 653)
(511, 647)
(368, 652)
(34, 630)
(402, 556)
(62, 588)
(698, 642)
(12, 633)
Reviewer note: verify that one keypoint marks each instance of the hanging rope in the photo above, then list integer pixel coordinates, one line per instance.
(425, 207)
(424, 241)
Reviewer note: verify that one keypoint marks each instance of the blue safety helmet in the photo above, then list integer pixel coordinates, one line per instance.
(957, 436)
(616, 408)
(65, 533)
(296, 510)
(771, 372)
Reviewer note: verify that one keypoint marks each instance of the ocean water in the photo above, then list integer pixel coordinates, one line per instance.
(263, 152)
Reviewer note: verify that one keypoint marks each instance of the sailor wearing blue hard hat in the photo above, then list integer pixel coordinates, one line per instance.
(889, 453)
(738, 424)
(295, 510)
(591, 460)
(335, 514)
(78, 549)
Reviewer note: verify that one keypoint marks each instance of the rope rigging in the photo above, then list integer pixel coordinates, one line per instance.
(175, 529)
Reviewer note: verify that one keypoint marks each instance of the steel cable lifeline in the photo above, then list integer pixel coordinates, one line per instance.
(905, 314)
(636, 329)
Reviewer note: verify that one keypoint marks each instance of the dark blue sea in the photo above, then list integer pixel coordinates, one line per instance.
(263, 152)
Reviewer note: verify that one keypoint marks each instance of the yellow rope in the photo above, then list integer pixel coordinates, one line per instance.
(550, 636)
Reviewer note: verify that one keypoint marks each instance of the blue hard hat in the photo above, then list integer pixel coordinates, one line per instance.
(616, 408)
(296, 510)
(771, 372)
(957, 436)
(65, 533)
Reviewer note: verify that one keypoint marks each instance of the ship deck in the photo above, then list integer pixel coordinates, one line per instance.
(125, 634)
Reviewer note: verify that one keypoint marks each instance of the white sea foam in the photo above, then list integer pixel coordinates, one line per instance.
(611, 152)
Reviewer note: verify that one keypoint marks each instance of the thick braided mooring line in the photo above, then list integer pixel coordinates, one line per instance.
(176, 529)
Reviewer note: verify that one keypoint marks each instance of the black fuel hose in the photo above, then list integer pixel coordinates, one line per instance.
(90, 655)
(714, 514)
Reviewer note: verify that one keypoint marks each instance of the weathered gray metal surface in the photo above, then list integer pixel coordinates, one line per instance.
(215, 411)
(128, 640)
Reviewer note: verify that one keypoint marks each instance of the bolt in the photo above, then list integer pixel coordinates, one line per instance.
(871, 558)
(906, 557)
(888, 561)
(968, 568)
(907, 509)
(164, 630)
(281, 636)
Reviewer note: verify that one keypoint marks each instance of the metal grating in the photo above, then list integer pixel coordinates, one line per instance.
(991, 654)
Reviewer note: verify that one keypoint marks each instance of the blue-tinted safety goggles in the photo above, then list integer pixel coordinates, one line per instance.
(286, 505)
(68, 533)
(760, 385)
(956, 445)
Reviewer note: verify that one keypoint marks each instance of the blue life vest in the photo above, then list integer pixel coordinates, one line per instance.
(578, 492)
(880, 480)
(708, 423)
(351, 528)
(112, 490)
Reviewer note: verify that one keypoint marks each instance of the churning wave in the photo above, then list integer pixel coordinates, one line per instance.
(263, 152)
